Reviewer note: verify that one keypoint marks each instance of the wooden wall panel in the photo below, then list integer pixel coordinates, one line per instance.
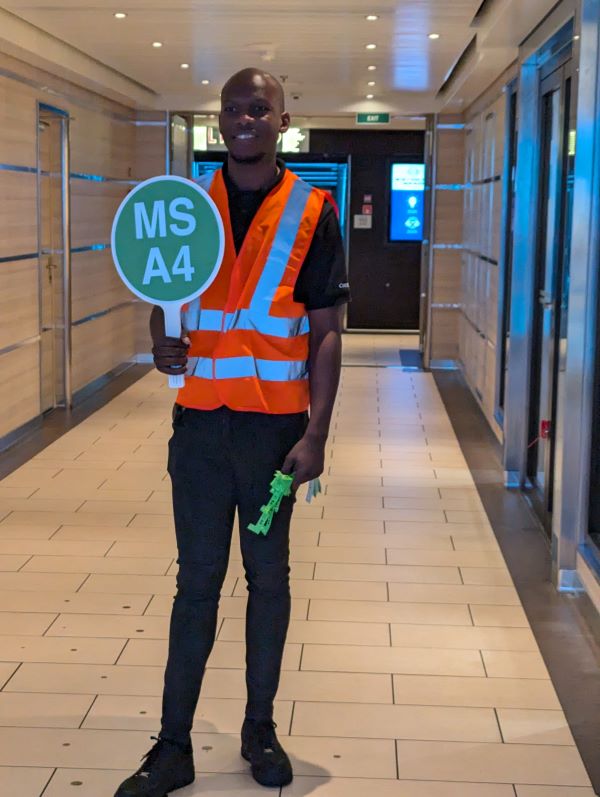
(17, 124)
(19, 387)
(143, 341)
(451, 158)
(18, 213)
(93, 207)
(102, 344)
(96, 286)
(150, 159)
(450, 212)
(448, 217)
(102, 145)
(444, 325)
(482, 236)
(446, 276)
(19, 301)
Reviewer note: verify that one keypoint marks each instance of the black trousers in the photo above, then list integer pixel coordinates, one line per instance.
(220, 461)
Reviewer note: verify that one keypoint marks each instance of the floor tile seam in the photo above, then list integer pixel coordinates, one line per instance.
(329, 778)
(385, 645)
(55, 620)
(88, 712)
(400, 739)
(317, 703)
(491, 678)
(49, 781)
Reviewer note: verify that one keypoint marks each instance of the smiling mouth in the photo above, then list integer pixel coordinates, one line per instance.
(244, 136)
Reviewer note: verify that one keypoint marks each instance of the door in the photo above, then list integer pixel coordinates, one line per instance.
(53, 256)
(385, 274)
(552, 275)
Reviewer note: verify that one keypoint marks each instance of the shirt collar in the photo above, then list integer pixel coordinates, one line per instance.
(232, 187)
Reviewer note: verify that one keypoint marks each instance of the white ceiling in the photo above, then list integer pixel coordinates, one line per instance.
(319, 46)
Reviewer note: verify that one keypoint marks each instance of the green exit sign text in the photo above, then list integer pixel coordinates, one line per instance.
(372, 118)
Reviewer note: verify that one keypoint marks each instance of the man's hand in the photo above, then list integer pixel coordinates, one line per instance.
(306, 460)
(170, 354)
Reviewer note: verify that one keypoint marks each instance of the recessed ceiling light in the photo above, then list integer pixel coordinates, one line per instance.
(157, 44)
(205, 82)
(120, 15)
(434, 35)
(370, 96)
(371, 46)
(372, 68)
(371, 83)
(372, 17)
(185, 66)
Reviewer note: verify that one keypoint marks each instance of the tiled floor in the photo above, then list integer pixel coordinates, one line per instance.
(410, 669)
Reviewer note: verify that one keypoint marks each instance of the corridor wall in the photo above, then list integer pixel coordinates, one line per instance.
(111, 147)
(482, 250)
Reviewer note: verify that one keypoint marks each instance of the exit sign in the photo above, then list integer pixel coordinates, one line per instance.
(372, 118)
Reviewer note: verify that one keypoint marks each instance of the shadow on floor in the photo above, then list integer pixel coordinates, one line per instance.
(566, 627)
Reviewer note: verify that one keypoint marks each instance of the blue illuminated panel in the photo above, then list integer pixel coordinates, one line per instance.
(407, 202)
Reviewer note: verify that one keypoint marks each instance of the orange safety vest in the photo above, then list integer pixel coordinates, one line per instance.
(249, 338)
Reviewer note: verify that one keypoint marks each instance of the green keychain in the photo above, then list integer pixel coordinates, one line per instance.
(281, 487)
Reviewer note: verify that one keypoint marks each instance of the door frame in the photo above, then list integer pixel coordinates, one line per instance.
(67, 345)
(506, 261)
(554, 79)
(525, 246)
(574, 560)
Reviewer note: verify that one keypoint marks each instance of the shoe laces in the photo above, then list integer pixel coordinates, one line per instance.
(265, 733)
(150, 758)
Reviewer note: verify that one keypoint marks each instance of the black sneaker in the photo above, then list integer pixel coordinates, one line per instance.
(269, 761)
(166, 767)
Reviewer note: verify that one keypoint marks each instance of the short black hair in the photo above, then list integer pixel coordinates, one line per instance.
(251, 72)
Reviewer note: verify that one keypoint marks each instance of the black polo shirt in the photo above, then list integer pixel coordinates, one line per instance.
(323, 280)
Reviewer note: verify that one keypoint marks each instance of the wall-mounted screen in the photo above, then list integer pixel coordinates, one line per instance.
(407, 201)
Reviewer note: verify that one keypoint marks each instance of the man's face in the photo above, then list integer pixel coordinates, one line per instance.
(251, 119)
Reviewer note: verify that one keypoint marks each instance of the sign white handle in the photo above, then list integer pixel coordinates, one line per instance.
(172, 315)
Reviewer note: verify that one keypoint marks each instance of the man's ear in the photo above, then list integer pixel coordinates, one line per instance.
(285, 122)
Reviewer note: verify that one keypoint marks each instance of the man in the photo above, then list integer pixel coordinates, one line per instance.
(262, 344)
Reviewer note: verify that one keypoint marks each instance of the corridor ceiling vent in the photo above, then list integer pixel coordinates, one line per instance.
(483, 10)
(461, 65)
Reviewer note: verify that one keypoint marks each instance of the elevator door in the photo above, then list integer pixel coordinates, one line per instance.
(552, 274)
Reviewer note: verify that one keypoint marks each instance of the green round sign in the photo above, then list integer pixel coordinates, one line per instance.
(168, 240)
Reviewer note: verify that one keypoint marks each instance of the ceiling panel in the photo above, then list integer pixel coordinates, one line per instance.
(321, 51)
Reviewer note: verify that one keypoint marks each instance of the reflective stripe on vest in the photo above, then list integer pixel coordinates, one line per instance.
(257, 317)
(205, 180)
(216, 321)
(240, 367)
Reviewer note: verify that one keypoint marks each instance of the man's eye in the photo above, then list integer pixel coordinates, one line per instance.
(261, 110)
